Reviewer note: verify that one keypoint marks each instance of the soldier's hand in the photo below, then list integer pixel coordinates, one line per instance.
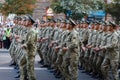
(102, 48)
(89, 47)
(44, 39)
(51, 45)
(53, 42)
(23, 46)
(57, 48)
(17, 36)
(64, 48)
(83, 48)
(96, 49)
(39, 40)
(18, 40)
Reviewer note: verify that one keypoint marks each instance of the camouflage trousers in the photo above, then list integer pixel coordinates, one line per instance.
(30, 66)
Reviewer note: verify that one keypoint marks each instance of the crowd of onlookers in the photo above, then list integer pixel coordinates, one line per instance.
(5, 34)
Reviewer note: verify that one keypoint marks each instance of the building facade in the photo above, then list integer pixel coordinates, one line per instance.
(40, 8)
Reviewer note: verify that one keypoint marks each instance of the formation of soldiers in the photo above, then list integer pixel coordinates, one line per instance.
(65, 46)
(93, 46)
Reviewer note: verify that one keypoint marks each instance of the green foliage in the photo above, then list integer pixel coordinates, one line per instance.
(79, 7)
(18, 7)
(113, 9)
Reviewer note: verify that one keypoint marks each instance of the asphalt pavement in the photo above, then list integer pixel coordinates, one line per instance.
(8, 73)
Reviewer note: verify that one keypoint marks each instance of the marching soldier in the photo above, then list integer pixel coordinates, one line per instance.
(112, 53)
(30, 45)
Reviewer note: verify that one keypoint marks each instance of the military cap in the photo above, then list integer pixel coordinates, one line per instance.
(24, 18)
(57, 20)
(48, 20)
(87, 22)
(103, 23)
(72, 22)
(15, 17)
(67, 21)
(83, 22)
(78, 22)
(97, 22)
(107, 23)
(112, 24)
(31, 18)
(42, 22)
(62, 21)
(52, 20)
(19, 18)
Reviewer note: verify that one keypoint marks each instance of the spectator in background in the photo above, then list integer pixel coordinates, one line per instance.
(8, 35)
(4, 36)
(1, 36)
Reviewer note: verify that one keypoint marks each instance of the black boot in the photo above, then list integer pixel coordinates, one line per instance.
(41, 61)
(12, 64)
(58, 75)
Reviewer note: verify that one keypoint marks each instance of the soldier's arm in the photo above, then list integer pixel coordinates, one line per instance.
(73, 41)
(114, 43)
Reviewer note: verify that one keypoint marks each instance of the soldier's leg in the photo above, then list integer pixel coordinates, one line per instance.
(49, 57)
(114, 68)
(54, 58)
(98, 64)
(87, 54)
(105, 68)
(30, 67)
(73, 68)
(40, 55)
(82, 59)
(12, 53)
(65, 69)
(94, 63)
(45, 58)
(58, 62)
(90, 60)
(22, 66)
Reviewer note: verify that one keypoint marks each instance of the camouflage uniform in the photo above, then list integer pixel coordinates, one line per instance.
(111, 56)
(30, 44)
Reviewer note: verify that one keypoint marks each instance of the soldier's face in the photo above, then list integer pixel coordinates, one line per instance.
(59, 23)
(67, 26)
(92, 26)
(22, 22)
(19, 22)
(96, 27)
(108, 28)
(100, 27)
(84, 25)
(52, 24)
(81, 25)
(105, 28)
(27, 22)
(14, 21)
(62, 25)
(77, 26)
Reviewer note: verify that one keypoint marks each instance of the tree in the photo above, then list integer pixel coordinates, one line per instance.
(79, 7)
(18, 6)
(113, 9)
